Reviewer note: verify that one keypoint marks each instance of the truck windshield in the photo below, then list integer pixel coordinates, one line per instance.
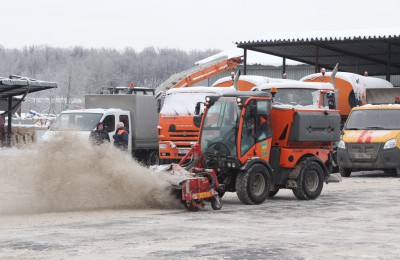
(220, 126)
(182, 103)
(296, 96)
(76, 122)
(374, 119)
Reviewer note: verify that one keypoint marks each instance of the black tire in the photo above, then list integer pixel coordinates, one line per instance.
(273, 193)
(216, 203)
(397, 172)
(310, 181)
(153, 158)
(253, 186)
(344, 172)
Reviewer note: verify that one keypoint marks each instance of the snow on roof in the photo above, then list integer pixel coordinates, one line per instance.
(356, 80)
(323, 35)
(296, 84)
(91, 110)
(298, 107)
(256, 80)
(196, 89)
(382, 106)
(253, 58)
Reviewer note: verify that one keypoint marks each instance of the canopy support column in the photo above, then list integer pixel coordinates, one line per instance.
(245, 61)
(10, 99)
(389, 61)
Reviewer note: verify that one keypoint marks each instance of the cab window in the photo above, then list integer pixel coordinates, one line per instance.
(263, 129)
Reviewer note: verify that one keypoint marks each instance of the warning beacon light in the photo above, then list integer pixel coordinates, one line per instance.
(273, 92)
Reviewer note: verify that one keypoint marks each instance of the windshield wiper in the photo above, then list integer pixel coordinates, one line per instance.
(227, 134)
(375, 127)
(188, 111)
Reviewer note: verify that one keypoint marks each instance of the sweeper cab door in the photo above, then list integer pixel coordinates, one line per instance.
(255, 130)
(237, 127)
(219, 128)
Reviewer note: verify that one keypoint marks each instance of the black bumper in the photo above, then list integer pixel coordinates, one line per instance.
(385, 159)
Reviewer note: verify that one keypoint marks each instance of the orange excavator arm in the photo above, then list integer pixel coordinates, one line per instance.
(208, 72)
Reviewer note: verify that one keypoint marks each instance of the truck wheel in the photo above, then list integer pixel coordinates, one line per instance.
(310, 181)
(273, 193)
(153, 159)
(252, 186)
(344, 172)
(216, 203)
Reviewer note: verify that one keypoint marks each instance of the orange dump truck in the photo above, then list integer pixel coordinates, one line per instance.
(351, 88)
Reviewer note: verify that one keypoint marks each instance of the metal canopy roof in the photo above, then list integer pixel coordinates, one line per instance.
(15, 86)
(379, 55)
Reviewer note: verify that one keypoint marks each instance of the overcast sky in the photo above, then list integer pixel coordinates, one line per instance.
(183, 24)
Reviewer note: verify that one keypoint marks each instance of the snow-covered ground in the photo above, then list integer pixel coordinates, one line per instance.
(357, 218)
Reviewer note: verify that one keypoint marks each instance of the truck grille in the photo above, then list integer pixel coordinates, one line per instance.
(363, 152)
(188, 135)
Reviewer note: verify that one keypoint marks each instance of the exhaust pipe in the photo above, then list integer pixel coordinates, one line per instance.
(334, 71)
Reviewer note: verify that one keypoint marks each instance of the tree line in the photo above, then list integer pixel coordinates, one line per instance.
(79, 71)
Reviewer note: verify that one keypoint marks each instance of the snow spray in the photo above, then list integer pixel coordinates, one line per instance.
(67, 174)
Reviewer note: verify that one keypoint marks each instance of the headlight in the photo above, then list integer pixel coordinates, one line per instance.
(342, 145)
(162, 146)
(390, 144)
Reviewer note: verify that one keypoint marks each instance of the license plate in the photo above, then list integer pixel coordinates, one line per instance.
(362, 156)
(183, 151)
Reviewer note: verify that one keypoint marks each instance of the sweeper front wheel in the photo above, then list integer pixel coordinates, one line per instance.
(216, 203)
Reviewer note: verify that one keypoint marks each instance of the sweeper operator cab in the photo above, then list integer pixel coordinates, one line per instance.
(254, 148)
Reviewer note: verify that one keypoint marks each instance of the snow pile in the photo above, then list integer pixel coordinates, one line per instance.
(68, 175)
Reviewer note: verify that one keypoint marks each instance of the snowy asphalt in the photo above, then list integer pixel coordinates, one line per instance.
(357, 218)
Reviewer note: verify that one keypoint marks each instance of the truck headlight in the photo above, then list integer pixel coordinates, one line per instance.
(342, 145)
(162, 146)
(390, 144)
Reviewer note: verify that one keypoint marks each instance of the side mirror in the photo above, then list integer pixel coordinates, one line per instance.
(331, 100)
(158, 105)
(197, 108)
(159, 94)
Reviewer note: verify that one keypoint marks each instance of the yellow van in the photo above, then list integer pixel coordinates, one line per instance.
(371, 140)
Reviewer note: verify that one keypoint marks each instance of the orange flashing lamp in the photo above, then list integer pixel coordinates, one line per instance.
(274, 91)
(132, 84)
(397, 100)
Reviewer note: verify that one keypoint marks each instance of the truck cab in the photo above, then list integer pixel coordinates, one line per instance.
(83, 121)
(371, 140)
(135, 107)
(297, 93)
